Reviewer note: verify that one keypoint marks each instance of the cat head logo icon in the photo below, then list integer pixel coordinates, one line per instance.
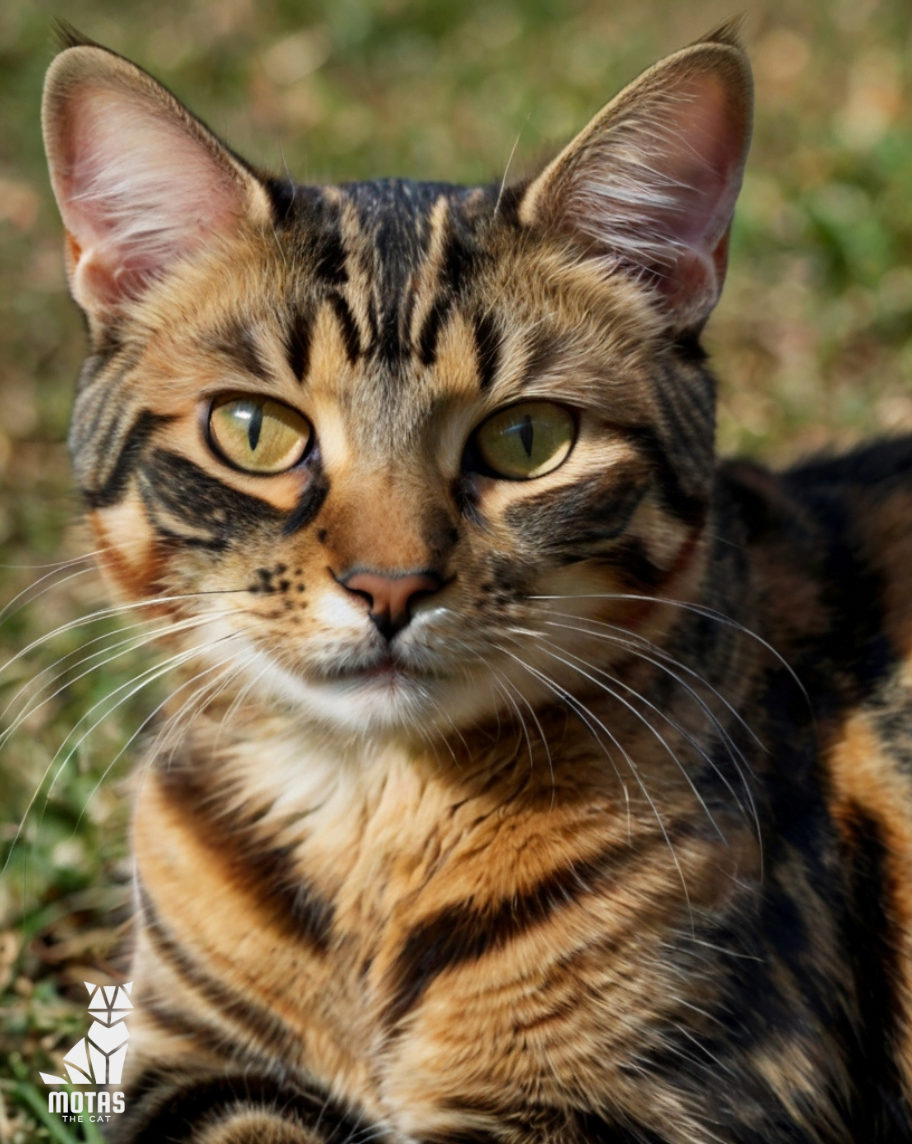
(99, 1057)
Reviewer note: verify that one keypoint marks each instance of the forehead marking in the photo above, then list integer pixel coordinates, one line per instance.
(297, 344)
(487, 349)
(237, 341)
(348, 327)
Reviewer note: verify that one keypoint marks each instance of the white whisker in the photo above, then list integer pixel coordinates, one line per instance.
(130, 688)
(737, 756)
(226, 670)
(586, 715)
(697, 609)
(639, 715)
(114, 611)
(28, 595)
(126, 646)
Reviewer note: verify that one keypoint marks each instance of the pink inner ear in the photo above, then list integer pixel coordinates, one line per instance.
(705, 169)
(136, 190)
(652, 184)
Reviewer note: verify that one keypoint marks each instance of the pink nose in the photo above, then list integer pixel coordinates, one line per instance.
(391, 597)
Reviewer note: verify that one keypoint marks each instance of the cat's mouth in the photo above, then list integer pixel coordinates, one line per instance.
(385, 668)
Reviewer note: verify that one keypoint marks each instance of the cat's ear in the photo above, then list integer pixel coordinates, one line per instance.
(139, 181)
(649, 187)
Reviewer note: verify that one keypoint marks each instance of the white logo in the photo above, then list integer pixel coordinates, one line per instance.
(99, 1057)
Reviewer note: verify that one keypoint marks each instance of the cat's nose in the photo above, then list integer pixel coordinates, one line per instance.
(391, 597)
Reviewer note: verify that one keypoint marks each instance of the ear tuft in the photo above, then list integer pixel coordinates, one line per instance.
(139, 181)
(649, 187)
(727, 33)
(69, 37)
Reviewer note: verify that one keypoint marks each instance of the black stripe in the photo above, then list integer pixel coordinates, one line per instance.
(178, 1024)
(174, 540)
(459, 259)
(329, 257)
(687, 347)
(544, 349)
(91, 410)
(270, 871)
(430, 330)
(257, 1020)
(348, 326)
(190, 494)
(487, 349)
(876, 948)
(461, 1136)
(465, 932)
(238, 343)
(509, 199)
(135, 441)
(110, 423)
(853, 585)
(595, 1129)
(172, 1111)
(300, 911)
(297, 343)
(282, 195)
(388, 347)
(689, 508)
(572, 520)
(548, 1124)
(310, 503)
(97, 401)
(687, 416)
(630, 559)
(465, 496)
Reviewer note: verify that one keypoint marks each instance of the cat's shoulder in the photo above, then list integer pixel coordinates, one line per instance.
(830, 542)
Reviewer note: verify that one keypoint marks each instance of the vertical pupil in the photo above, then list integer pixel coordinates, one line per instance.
(254, 425)
(526, 434)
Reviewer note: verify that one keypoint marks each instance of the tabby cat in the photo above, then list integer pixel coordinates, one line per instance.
(539, 779)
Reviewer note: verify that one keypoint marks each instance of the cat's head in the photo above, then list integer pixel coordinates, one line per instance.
(402, 453)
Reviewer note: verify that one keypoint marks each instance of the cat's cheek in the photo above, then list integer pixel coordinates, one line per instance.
(127, 552)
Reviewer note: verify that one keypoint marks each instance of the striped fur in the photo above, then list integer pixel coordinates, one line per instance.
(607, 837)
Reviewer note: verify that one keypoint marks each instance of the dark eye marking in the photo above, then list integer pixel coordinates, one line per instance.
(133, 446)
(191, 495)
(311, 501)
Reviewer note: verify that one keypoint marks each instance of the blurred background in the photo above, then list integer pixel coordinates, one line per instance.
(811, 341)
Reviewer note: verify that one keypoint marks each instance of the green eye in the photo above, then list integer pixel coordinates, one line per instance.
(526, 440)
(258, 435)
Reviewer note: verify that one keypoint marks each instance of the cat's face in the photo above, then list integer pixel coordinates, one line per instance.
(405, 454)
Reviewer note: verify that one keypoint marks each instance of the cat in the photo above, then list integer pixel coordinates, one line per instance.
(539, 777)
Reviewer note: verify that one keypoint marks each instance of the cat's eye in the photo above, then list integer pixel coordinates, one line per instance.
(526, 440)
(257, 434)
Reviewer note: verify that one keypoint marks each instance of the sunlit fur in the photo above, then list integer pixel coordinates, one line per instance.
(607, 839)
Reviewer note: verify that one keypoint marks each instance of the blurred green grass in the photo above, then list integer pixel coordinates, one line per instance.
(811, 342)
